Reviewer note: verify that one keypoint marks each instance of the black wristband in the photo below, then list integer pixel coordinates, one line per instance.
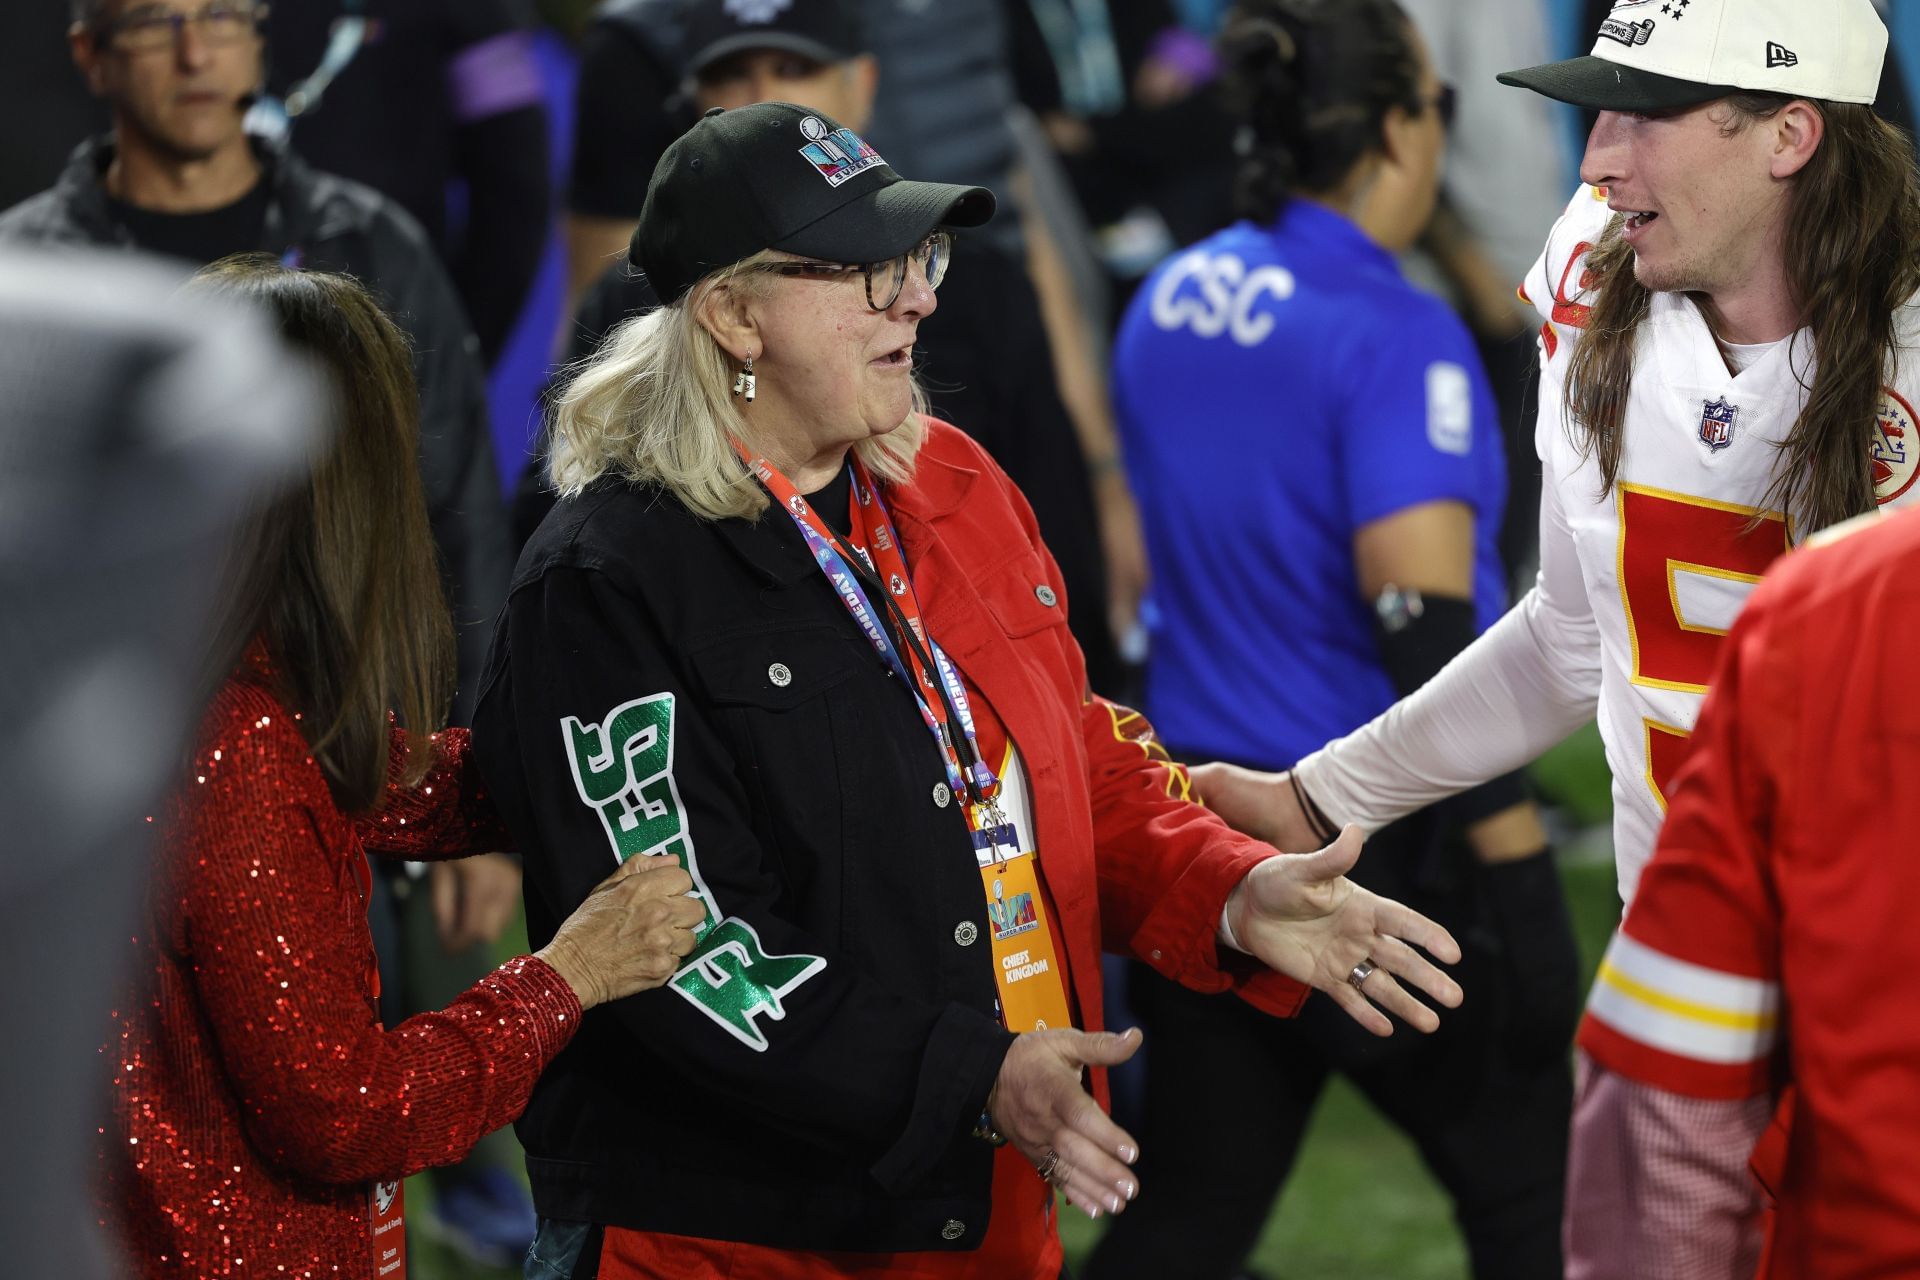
(1323, 828)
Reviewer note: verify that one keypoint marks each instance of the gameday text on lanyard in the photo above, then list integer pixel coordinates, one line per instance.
(1033, 994)
(924, 667)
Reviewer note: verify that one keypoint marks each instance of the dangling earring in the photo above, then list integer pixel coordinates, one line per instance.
(743, 381)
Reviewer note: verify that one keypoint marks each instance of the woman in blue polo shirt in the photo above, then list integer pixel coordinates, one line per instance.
(1317, 461)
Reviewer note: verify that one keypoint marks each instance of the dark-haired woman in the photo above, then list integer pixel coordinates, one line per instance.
(1320, 469)
(260, 1117)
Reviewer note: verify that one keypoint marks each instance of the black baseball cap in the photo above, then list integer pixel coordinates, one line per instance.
(777, 176)
(825, 31)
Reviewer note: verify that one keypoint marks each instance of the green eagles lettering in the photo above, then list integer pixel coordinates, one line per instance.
(623, 770)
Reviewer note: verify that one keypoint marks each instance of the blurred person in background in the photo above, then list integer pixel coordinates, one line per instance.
(179, 176)
(121, 490)
(628, 109)
(259, 1115)
(1726, 1043)
(1502, 191)
(941, 108)
(1125, 93)
(984, 354)
(436, 104)
(808, 639)
(1319, 462)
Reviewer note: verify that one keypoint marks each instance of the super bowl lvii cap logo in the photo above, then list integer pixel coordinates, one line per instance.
(836, 154)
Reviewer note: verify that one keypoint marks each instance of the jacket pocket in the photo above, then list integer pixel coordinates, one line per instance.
(1024, 600)
(775, 671)
(772, 695)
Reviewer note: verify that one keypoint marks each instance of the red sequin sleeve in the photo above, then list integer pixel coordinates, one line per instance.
(449, 815)
(275, 929)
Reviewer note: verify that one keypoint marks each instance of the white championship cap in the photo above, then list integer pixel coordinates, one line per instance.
(1654, 55)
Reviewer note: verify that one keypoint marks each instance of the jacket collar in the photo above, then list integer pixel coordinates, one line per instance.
(937, 490)
(774, 547)
(770, 545)
(290, 213)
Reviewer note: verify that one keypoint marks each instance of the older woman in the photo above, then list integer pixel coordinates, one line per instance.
(786, 628)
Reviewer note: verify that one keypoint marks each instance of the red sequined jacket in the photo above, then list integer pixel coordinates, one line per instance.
(255, 1098)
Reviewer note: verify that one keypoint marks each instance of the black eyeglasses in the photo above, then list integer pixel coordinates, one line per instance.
(153, 27)
(1446, 103)
(886, 279)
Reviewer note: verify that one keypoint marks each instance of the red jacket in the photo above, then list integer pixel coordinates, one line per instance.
(256, 1101)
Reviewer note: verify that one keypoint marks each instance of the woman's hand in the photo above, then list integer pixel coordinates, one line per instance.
(629, 934)
(1262, 805)
(1300, 914)
(1038, 1104)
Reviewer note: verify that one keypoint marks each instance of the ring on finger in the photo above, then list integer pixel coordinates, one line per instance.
(1361, 972)
(1050, 1165)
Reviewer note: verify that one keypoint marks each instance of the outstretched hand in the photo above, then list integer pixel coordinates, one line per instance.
(1299, 914)
(1038, 1104)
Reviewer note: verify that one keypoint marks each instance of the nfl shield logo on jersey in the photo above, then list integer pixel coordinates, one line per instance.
(1716, 423)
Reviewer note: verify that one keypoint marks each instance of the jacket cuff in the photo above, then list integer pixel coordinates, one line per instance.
(1179, 938)
(549, 1009)
(957, 1071)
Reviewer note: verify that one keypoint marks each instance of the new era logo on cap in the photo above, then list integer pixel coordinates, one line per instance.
(1778, 55)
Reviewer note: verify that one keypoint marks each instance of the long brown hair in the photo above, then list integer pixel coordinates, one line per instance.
(1853, 259)
(338, 577)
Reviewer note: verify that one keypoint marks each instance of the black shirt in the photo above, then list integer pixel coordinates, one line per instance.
(440, 110)
(831, 501)
(201, 237)
(628, 107)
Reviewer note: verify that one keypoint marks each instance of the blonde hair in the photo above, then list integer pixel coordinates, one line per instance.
(654, 404)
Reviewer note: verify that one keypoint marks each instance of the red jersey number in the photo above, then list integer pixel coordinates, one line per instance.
(1663, 534)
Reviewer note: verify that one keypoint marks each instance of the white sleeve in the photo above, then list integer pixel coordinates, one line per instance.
(1531, 680)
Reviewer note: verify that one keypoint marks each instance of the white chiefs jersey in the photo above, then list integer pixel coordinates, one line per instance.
(1669, 555)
